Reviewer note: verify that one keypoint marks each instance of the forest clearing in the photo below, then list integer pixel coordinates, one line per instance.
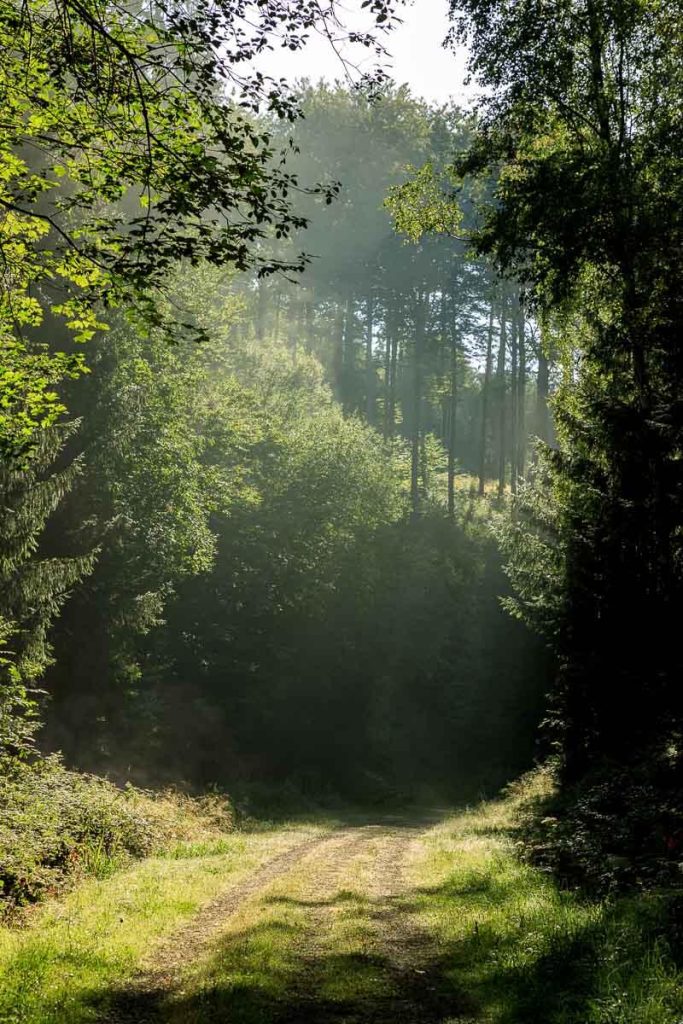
(341, 512)
(426, 916)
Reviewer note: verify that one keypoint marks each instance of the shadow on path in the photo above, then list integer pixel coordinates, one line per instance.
(335, 989)
(283, 967)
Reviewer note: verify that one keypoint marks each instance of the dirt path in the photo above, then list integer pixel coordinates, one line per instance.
(321, 934)
(386, 970)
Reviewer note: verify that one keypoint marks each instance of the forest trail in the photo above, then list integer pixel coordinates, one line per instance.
(413, 920)
(321, 933)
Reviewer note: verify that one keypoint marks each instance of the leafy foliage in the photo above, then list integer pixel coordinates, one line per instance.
(619, 829)
(121, 152)
(57, 824)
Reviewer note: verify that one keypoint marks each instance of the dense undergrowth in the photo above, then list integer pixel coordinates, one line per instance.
(58, 826)
(619, 830)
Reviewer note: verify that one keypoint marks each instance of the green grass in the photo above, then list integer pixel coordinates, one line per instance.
(310, 944)
(58, 826)
(495, 942)
(525, 951)
(472, 936)
(61, 966)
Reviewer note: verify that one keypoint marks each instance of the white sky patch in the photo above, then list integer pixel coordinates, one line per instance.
(417, 55)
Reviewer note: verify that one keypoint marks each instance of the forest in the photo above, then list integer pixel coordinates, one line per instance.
(341, 516)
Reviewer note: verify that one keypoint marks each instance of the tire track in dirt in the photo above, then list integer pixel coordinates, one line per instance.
(170, 957)
(355, 876)
(415, 961)
(370, 868)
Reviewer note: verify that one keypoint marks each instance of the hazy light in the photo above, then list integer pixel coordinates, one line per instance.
(417, 56)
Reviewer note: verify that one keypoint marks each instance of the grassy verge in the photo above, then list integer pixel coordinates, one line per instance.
(61, 966)
(525, 951)
(59, 826)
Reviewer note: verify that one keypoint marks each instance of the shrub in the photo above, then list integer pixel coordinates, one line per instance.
(57, 824)
(621, 828)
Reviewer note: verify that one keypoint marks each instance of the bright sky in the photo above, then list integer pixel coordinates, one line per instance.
(418, 57)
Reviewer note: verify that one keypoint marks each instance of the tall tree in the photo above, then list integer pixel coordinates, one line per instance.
(33, 586)
(589, 212)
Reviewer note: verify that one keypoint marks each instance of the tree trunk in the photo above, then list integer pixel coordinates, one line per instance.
(485, 400)
(452, 424)
(294, 324)
(514, 396)
(394, 373)
(260, 309)
(417, 405)
(543, 388)
(347, 357)
(309, 326)
(276, 324)
(338, 354)
(388, 335)
(521, 396)
(369, 363)
(501, 391)
(448, 331)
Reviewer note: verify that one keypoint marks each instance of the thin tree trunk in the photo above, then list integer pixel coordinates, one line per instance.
(501, 390)
(394, 374)
(441, 367)
(260, 309)
(521, 396)
(485, 400)
(276, 325)
(453, 424)
(308, 341)
(388, 334)
(543, 388)
(417, 406)
(369, 363)
(338, 355)
(514, 395)
(294, 324)
(347, 357)
(448, 331)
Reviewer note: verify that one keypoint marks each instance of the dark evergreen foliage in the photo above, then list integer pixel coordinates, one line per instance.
(33, 586)
(589, 211)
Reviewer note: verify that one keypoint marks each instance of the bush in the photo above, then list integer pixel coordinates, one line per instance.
(620, 829)
(57, 824)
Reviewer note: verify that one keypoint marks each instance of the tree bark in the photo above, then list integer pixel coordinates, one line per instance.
(388, 334)
(514, 396)
(417, 405)
(308, 340)
(260, 309)
(394, 372)
(452, 433)
(338, 355)
(347, 357)
(543, 388)
(521, 395)
(276, 322)
(369, 362)
(501, 391)
(449, 334)
(485, 399)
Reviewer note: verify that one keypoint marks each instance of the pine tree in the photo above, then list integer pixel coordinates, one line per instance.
(33, 586)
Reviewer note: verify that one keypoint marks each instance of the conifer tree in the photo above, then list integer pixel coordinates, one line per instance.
(33, 586)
